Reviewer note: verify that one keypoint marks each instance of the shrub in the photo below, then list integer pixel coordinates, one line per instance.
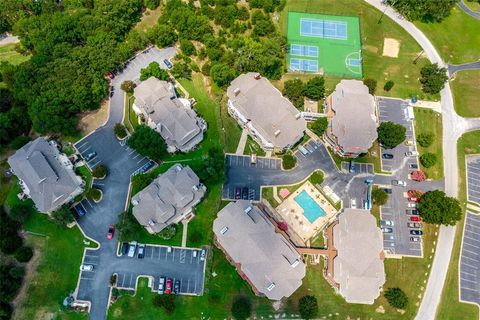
(388, 85)
(316, 177)
(379, 196)
(94, 194)
(128, 86)
(308, 307)
(120, 130)
(24, 254)
(21, 211)
(425, 139)
(391, 134)
(169, 232)
(241, 307)
(187, 47)
(289, 161)
(428, 159)
(100, 171)
(371, 84)
(319, 126)
(396, 298)
(62, 216)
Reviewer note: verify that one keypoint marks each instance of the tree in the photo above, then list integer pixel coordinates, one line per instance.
(10, 281)
(293, 90)
(424, 10)
(187, 47)
(21, 211)
(379, 196)
(164, 36)
(371, 84)
(6, 311)
(315, 88)
(288, 161)
(94, 194)
(388, 85)
(319, 126)
(165, 301)
(152, 4)
(10, 241)
(182, 70)
(120, 131)
(148, 143)
(100, 171)
(127, 226)
(425, 139)
(428, 159)
(62, 216)
(213, 166)
(396, 298)
(128, 86)
(308, 307)
(436, 207)
(24, 254)
(222, 74)
(391, 134)
(153, 70)
(241, 307)
(433, 78)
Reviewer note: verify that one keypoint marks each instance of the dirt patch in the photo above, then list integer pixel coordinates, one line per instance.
(369, 48)
(91, 120)
(391, 47)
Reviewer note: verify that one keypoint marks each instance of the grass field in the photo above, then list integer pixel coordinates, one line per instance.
(473, 5)
(149, 19)
(252, 147)
(450, 306)
(466, 88)
(8, 54)
(401, 70)
(428, 121)
(328, 42)
(445, 37)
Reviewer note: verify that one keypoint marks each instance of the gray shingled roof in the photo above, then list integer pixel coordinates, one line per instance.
(167, 198)
(354, 123)
(271, 114)
(177, 124)
(50, 183)
(358, 267)
(266, 257)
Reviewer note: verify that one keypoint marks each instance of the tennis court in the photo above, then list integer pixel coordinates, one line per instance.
(324, 44)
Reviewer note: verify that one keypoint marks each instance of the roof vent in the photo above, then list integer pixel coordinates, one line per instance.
(297, 116)
(277, 133)
(271, 286)
(195, 188)
(224, 230)
(151, 223)
(178, 168)
(295, 263)
(236, 91)
(257, 76)
(248, 209)
(134, 202)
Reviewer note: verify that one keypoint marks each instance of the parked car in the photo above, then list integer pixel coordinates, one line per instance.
(253, 158)
(194, 253)
(387, 230)
(86, 267)
(414, 193)
(414, 199)
(80, 210)
(124, 248)
(387, 156)
(415, 239)
(413, 166)
(110, 232)
(132, 247)
(416, 232)
(168, 63)
(176, 287)
(168, 286)
(414, 225)
(411, 205)
(389, 223)
(399, 183)
(203, 254)
(352, 166)
(353, 203)
(169, 249)
(90, 156)
(415, 218)
(147, 166)
(411, 153)
(245, 193)
(161, 285)
(388, 190)
(238, 193)
(389, 237)
(141, 251)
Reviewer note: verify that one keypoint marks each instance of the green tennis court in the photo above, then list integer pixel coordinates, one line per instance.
(319, 43)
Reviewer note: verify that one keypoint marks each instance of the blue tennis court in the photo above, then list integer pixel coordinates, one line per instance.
(303, 65)
(304, 51)
(328, 29)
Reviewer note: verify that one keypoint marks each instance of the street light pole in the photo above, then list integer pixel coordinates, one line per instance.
(383, 13)
(417, 57)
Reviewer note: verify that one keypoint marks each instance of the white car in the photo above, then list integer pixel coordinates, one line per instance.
(86, 267)
(132, 248)
(411, 205)
(399, 183)
(353, 203)
(389, 223)
(411, 153)
(203, 254)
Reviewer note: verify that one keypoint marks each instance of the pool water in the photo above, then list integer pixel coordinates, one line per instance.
(311, 210)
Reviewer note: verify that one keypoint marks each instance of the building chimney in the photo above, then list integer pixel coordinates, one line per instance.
(277, 133)
(257, 76)
(236, 91)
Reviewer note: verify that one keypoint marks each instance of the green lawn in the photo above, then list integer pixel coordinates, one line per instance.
(450, 306)
(149, 19)
(61, 251)
(456, 38)
(372, 156)
(428, 121)
(86, 175)
(401, 70)
(252, 147)
(473, 5)
(466, 88)
(8, 54)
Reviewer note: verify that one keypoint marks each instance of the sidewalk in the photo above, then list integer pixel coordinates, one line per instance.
(242, 143)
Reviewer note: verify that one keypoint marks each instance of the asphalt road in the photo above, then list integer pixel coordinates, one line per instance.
(473, 14)
(452, 68)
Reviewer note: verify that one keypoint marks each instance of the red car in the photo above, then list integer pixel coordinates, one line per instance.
(413, 199)
(414, 193)
(415, 218)
(111, 232)
(168, 286)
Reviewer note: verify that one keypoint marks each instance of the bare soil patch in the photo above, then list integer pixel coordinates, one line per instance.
(391, 47)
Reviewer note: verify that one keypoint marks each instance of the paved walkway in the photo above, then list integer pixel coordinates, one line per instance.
(275, 194)
(467, 10)
(242, 143)
(184, 233)
(452, 68)
(8, 39)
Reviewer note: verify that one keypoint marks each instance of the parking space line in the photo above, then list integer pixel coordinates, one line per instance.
(470, 251)
(468, 273)
(467, 264)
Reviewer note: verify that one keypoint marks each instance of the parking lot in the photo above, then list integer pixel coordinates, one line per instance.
(470, 260)
(358, 168)
(473, 178)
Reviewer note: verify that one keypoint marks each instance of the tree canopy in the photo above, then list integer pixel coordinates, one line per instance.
(222, 74)
(148, 143)
(153, 70)
(241, 308)
(371, 84)
(428, 159)
(379, 196)
(436, 207)
(425, 139)
(391, 134)
(396, 298)
(315, 88)
(293, 90)
(433, 78)
(319, 126)
(424, 10)
(308, 307)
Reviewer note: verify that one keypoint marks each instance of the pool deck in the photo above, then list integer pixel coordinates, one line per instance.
(293, 214)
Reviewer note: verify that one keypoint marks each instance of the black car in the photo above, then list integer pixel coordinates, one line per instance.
(238, 193)
(416, 232)
(124, 248)
(413, 166)
(245, 193)
(176, 287)
(168, 64)
(141, 251)
(388, 190)
(387, 156)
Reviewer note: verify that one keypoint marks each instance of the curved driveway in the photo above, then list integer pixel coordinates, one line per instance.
(467, 10)
(453, 127)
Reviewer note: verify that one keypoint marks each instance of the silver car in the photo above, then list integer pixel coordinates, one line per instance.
(132, 247)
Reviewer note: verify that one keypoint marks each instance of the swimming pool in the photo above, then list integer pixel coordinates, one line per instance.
(311, 210)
